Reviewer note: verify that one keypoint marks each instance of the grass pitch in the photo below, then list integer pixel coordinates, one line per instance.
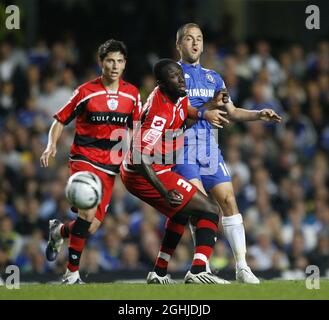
(267, 290)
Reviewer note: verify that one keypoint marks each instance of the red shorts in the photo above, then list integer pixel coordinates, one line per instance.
(141, 188)
(107, 182)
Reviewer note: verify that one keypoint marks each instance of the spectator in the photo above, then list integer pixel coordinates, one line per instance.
(297, 253)
(296, 225)
(111, 250)
(10, 241)
(130, 257)
(91, 261)
(32, 259)
(52, 98)
(301, 126)
(264, 251)
(236, 166)
(7, 100)
(298, 66)
(9, 155)
(243, 68)
(320, 255)
(263, 59)
(4, 263)
(237, 86)
(262, 96)
(8, 61)
(30, 220)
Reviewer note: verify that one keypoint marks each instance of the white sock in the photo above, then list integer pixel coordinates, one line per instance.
(234, 232)
(193, 229)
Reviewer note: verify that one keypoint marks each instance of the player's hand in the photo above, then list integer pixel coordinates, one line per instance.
(216, 117)
(269, 115)
(219, 100)
(174, 198)
(222, 97)
(44, 159)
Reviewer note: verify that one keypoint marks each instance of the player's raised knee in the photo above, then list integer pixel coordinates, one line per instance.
(88, 215)
(94, 226)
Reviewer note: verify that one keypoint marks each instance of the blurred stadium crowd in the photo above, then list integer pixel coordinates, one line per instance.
(280, 172)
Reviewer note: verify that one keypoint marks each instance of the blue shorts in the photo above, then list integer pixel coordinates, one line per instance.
(210, 171)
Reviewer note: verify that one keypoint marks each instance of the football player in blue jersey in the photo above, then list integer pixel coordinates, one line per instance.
(203, 163)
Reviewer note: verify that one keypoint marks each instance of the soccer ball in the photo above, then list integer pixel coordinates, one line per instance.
(84, 190)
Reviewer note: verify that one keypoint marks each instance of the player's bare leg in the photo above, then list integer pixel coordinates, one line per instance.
(234, 230)
(77, 240)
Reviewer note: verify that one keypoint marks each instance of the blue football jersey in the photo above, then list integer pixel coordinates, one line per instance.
(201, 85)
(202, 158)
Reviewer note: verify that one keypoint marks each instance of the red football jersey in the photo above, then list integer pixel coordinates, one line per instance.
(102, 117)
(161, 132)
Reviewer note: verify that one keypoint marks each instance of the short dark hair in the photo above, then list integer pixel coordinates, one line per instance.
(182, 30)
(160, 66)
(111, 46)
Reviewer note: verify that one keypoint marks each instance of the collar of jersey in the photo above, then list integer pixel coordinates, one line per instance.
(191, 66)
(109, 91)
(168, 99)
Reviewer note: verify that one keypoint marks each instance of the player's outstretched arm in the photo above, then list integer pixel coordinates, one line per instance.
(239, 114)
(173, 197)
(51, 149)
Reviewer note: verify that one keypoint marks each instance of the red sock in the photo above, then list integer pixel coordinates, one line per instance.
(173, 234)
(205, 234)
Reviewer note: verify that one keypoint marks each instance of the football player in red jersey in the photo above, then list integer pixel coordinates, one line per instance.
(147, 174)
(103, 109)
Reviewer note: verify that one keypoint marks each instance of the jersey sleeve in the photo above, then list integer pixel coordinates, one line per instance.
(72, 108)
(136, 111)
(220, 84)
